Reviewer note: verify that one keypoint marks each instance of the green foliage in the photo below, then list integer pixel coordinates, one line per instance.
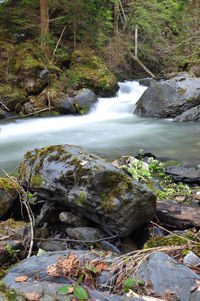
(128, 283)
(63, 290)
(168, 189)
(80, 293)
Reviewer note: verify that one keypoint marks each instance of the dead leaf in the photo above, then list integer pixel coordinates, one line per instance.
(32, 296)
(70, 290)
(180, 198)
(101, 267)
(21, 279)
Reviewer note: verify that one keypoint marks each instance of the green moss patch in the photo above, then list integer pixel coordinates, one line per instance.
(87, 70)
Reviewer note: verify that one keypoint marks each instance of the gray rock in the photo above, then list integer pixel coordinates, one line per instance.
(52, 245)
(71, 219)
(167, 274)
(70, 176)
(190, 115)
(183, 174)
(47, 287)
(8, 196)
(191, 259)
(85, 233)
(28, 108)
(148, 81)
(170, 98)
(84, 100)
(12, 234)
(66, 105)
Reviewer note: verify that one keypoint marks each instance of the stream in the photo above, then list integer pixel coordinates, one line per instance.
(110, 129)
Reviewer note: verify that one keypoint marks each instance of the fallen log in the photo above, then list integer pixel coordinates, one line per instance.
(176, 215)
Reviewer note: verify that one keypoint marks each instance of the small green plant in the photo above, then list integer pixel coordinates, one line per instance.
(156, 169)
(129, 282)
(11, 251)
(137, 171)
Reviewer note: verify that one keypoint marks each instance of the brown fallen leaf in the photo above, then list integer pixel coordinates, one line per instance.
(101, 267)
(32, 296)
(21, 279)
(70, 290)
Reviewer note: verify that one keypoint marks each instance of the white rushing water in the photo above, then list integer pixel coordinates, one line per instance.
(118, 107)
(110, 129)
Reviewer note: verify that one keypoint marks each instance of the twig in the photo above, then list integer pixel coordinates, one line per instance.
(4, 237)
(59, 40)
(30, 114)
(4, 106)
(146, 298)
(49, 100)
(172, 233)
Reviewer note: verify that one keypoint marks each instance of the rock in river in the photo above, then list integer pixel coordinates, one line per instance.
(189, 115)
(170, 98)
(70, 176)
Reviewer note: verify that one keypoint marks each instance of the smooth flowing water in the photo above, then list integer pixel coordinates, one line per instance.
(110, 129)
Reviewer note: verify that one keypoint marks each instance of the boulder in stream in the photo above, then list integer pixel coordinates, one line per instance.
(170, 98)
(189, 115)
(76, 179)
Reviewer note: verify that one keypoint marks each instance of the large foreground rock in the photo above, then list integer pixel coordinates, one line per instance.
(170, 98)
(47, 287)
(70, 176)
(190, 115)
(168, 275)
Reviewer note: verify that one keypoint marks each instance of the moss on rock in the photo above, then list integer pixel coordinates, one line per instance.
(87, 70)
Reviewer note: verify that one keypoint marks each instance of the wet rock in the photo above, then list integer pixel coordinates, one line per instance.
(8, 195)
(13, 234)
(183, 174)
(167, 274)
(85, 233)
(70, 176)
(47, 287)
(52, 245)
(191, 259)
(178, 216)
(148, 81)
(189, 115)
(170, 98)
(67, 106)
(4, 114)
(84, 100)
(71, 219)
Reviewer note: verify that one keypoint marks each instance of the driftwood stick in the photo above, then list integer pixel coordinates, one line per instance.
(142, 65)
(4, 106)
(59, 40)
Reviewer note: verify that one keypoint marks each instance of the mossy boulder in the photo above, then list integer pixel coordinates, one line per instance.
(89, 71)
(12, 95)
(70, 176)
(29, 65)
(8, 195)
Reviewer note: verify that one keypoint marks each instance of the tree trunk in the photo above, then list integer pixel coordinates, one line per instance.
(44, 23)
(116, 17)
